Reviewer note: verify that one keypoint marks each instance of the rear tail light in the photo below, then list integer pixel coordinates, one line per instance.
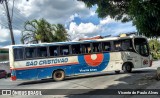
(13, 78)
(13, 75)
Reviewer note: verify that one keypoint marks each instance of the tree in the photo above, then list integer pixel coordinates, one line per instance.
(154, 45)
(144, 13)
(60, 33)
(41, 30)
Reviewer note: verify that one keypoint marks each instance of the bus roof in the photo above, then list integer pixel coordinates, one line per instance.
(75, 42)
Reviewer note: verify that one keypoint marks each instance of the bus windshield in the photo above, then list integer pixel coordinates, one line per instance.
(141, 46)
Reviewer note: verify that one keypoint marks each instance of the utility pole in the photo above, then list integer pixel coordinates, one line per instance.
(9, 21)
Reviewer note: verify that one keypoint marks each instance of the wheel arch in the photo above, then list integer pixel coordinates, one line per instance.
(130, 63)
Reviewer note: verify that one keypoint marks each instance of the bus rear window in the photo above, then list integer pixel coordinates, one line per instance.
(18, 54)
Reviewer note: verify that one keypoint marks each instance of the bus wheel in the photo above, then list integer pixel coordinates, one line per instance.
(127, 68)
(58, 75)
(117, 71)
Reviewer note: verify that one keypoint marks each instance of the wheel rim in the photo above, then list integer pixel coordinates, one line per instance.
(58, 75)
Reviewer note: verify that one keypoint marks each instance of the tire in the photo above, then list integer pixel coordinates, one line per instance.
(58, 75)
(127, 68)
(117, 71)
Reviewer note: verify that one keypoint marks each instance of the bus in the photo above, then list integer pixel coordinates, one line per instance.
(62, 59)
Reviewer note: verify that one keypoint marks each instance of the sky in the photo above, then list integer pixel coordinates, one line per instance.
(79, 21)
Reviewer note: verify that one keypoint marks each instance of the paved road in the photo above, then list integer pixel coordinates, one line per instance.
(140, 78)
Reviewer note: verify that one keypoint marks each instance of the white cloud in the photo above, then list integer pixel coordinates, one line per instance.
(26, 7)
(107, 20)
(83, 30)
(123, 28)
(114, 27)
(60, 11)
(5, 36)
(93, 13)
(71, 18)
(57, 11)
(106, 27)
(117, 27)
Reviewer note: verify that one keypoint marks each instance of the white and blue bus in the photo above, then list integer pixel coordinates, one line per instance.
(61, 59)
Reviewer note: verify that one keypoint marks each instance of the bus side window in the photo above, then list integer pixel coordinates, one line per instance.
(123, 45)
(126, 45)
(106, 46)
(96, 47)
(76, 49)
(53, 50)
(18, 53)
(42, 52)
(30, 52)
(64, 50)
(117, 45)
(86, 48)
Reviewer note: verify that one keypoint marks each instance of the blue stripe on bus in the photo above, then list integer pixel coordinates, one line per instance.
(81, 68)
(42, 73)
(84, 65)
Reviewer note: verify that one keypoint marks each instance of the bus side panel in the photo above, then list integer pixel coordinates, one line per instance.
(26, 74)
(42, 73)
(115, 60)
(137, 60)
(92, 63)
(44, 68)
(132, 57)
(47, 72)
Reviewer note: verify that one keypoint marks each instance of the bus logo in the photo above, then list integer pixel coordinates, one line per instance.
(93, 59)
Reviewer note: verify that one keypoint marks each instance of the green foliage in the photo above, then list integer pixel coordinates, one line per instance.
(60, 33)
(117, 9)
(41, 30)
(144, 13)
(154, 45)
